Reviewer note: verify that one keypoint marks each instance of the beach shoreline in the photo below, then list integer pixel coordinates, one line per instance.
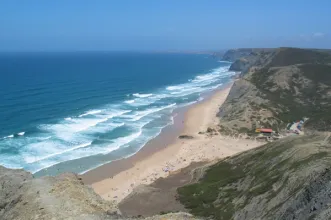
(166, 137)
(167, 153)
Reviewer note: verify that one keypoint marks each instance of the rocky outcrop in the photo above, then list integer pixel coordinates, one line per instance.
(245, 58)
(185, 136)
(239, 65)
(23, 197)
(255, 58)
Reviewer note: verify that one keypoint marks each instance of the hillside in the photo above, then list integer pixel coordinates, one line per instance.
(280, 87)
(287, 179)
(23, 197)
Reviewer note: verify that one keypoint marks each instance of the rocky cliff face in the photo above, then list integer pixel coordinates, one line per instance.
(61, 197)
(243, 59)
(255, 58)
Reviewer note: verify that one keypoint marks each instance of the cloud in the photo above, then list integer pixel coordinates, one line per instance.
(318, 34)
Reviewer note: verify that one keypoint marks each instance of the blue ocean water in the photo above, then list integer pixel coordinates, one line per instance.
(59, 107)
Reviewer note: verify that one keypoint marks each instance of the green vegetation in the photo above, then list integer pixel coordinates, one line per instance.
(308, 94)
(291, 56)
(231, 184)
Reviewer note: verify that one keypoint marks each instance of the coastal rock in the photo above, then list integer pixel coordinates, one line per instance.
(241, 64)
(63, 197)
(11, 181)
(185, 137)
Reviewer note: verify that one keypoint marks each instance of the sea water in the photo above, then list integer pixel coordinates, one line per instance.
(77, 111)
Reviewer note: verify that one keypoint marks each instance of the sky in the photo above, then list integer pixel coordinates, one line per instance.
(156, 25)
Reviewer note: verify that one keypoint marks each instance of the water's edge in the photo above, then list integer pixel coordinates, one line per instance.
(167, 136)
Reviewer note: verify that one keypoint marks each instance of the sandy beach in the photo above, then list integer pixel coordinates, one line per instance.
(115, 181)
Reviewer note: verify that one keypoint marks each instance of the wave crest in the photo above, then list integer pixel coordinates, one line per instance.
(142, 95)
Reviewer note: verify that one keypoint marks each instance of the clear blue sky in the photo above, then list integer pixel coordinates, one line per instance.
(67, 25)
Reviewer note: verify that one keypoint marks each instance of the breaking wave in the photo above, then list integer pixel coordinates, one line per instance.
(122, 126)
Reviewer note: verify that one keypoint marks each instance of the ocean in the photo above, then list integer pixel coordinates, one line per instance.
(77, 111)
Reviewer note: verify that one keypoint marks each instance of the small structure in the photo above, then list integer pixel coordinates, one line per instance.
(296, 127)
(264, 130)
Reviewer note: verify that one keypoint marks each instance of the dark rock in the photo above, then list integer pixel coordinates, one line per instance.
(210, 130)
(185, 137)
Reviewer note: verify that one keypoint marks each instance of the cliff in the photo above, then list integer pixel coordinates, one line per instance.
(244, 58)
(235, 54)
(282, 86)
(62, 197)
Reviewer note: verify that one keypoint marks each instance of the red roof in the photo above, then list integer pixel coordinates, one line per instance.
(267, 130)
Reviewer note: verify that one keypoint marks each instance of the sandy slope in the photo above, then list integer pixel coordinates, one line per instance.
(181, 153)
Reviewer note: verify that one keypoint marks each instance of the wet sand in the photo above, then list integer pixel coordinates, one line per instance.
(167, 153)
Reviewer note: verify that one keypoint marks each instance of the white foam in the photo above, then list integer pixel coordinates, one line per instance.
(21, 133)
(189, 103)
(171, 88)
(118, 142)
(81, 127)
(186, 91)
(142, 95)
(92, 112)
(33, 159)
(105, 127)
(68, 119)
(73, 126)
(208, 78)
(44, 138)
(9, 136)
(139, 115)
(130, 101)
(115, 113)
(216, 86)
